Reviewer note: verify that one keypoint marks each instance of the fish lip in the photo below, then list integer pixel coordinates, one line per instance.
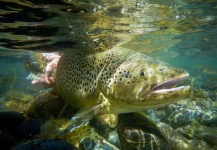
(170, 83)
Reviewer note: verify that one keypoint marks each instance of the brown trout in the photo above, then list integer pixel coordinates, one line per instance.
(122, 79)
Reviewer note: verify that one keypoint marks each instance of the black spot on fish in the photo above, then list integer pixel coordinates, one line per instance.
(126, 75)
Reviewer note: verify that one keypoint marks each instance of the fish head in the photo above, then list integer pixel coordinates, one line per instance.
(143, 82)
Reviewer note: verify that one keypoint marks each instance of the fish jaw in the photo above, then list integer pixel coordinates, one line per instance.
(164, 87)
(164, 93)
(165, 97)
(154, 100)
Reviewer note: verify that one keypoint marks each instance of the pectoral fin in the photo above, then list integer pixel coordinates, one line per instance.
(81, 118)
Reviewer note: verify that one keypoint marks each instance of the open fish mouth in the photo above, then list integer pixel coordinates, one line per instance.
(167, 86)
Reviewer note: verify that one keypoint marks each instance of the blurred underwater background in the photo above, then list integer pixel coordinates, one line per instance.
(182, 33)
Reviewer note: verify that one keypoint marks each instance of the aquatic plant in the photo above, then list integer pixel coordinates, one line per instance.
(17, 100)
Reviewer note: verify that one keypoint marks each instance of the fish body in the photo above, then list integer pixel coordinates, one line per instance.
(124, 80)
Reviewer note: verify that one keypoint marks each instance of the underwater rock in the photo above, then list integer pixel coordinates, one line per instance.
(134, 131)
(87, 144)
(45, 106)
(179, 142)
(103, 128)
(45, 144)
(114, 139)
(28, 128)
(6, 140)
(152, 115)
(176, 119)
(9, 120)
(17, 100)
(197, 131)
(54, 127)
(183, 112)
(96, 144)
(137, 132)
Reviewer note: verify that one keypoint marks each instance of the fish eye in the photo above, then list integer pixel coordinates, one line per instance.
(142, 72)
